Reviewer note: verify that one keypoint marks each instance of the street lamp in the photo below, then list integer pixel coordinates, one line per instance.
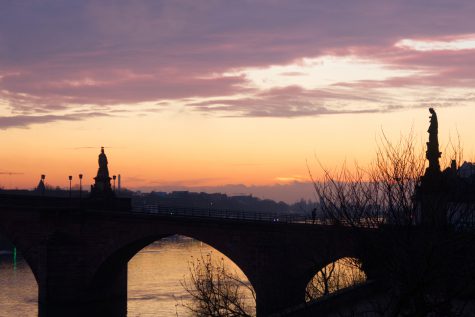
(70, 179)
(80, 185)
(114, 177)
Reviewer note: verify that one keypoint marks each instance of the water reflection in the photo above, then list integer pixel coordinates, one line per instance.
(18, 291)
(156, 273)
(110, 309)
(154, 276)
(335, 276)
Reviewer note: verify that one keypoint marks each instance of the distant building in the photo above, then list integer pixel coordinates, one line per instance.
(179, 193)
(41, 186)
(466, 170)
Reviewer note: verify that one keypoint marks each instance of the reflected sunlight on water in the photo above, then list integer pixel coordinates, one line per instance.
(155, 274)
(154, 280)
(335, 276)
(18, 289)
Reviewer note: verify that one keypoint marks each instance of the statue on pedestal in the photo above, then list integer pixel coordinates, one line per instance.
(432, 193)
(432, 153)
(102, 185)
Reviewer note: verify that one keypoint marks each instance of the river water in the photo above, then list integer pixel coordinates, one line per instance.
(154, 280)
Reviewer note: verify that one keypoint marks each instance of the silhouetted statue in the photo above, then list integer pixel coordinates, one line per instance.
(432, 193)
(103, 170)
(102, 186)
(432, 153)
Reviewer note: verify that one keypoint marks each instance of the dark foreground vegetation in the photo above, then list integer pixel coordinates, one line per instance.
(423, 260)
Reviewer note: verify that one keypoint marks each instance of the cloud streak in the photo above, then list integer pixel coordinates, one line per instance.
(295, 101)
(24, 121)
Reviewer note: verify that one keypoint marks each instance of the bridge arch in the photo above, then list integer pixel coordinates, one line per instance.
(113, 261)
(334, 275)
(173, 265)
(22, 247)
(19, 284)
(113, 268)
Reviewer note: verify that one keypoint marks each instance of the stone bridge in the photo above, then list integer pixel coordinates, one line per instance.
(79, 254)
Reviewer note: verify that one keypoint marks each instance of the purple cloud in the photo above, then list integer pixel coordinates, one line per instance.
(292, 101)
(57, 55)
(24, 121)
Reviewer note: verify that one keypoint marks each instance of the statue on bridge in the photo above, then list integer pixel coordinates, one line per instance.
(103, 162)
(102, 185)
(432, 153)
(434, 190)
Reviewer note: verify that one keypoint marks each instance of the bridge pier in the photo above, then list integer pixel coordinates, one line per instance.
(67, 285)
(278, 296)
(112, 309)
(65, 296)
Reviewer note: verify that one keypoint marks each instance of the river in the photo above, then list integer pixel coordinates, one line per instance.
(154, 280)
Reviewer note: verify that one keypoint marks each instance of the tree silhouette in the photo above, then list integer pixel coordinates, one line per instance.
(335, 276)
(426, 268)
(217, 291)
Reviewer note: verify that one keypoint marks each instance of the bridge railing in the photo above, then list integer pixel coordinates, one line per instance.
(225, 214)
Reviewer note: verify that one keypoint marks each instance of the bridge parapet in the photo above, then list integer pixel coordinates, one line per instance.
(36, 202)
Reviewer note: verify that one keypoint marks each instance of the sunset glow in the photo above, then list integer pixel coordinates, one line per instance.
(203, 95)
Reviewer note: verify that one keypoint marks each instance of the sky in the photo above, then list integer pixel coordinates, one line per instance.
(231, 96)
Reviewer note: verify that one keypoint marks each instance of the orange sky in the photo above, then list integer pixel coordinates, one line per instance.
(217, 93)
(187, 150)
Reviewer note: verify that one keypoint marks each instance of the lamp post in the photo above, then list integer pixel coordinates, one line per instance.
(70, 179)
(114, 177)
(80, 185)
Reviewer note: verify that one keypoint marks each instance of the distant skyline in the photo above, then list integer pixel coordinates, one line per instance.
(225, 94)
